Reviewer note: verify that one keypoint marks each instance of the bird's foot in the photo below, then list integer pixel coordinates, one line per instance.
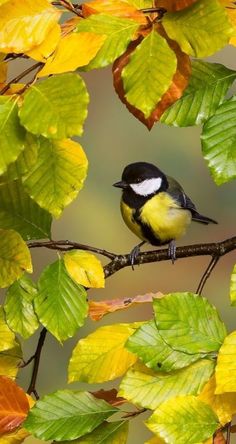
(134, 254)
(172, 251)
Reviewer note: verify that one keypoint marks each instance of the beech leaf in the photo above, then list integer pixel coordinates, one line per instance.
(101, 356)
(58, 174)
(25, 24)
(14, 405)
(56, 107)
(15, 257)
(67, 414)
(226, 365)
(84, 268)
(60, 303)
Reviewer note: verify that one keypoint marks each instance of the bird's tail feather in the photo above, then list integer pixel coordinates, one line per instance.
(196, 217)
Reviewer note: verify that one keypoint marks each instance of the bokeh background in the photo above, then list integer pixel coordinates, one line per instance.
(112, 139)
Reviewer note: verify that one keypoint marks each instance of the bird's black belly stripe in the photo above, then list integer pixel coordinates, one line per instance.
(147, 231)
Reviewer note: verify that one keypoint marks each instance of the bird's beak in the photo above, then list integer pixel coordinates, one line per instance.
(120, 184)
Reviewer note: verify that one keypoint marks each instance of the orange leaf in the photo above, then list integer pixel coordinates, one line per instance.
(14, 405)
(219, 438)
(69, 25)
(109, 396)
(117, 8)
(175, 91)
(99, 309)
(174, 5)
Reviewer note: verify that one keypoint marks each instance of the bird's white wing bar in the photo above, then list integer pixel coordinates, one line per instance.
(147, 187)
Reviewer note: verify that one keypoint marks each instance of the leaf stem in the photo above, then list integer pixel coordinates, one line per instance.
(20, 76)
(36, 358)
(207, 273)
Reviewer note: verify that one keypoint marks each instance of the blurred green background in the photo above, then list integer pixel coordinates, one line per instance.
(112, 139)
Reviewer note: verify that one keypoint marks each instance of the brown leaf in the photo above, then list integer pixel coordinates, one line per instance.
(109, 396)
(14, 405)
(99, 309)
(117, 8)
(219, 438)
(175, 91)
(174, 5)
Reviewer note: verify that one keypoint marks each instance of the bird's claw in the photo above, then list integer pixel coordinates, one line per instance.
(172, 251)
(134, 254)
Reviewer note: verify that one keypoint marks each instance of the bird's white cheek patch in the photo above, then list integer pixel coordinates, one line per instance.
(148, 186)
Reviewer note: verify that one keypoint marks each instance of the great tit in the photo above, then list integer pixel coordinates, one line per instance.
(155, 207)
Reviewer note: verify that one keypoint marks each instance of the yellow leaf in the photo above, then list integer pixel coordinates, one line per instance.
(74, 50)
(223, 405)
(7, 337)
(9, 361)
(25, 24)
(3, 69)
(14, 257)
(102, 355)
(16, 437)
(231, 11)
(85, 269)
(48, 45)
(226, 366)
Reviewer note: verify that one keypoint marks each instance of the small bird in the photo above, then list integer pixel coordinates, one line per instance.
(155, 207)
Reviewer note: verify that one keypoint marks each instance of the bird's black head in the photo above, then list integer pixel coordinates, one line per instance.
(143, 179)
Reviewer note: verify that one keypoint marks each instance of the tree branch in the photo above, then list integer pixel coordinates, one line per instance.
(67, 245)
(36, 359)
(216, 250)
(214, 260)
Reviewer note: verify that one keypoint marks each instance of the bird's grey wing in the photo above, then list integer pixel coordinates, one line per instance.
(185, 202)
(179, 195)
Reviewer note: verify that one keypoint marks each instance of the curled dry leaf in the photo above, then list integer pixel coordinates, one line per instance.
(99, 309)
(109, 396)
(117, 8)
(174, 5)
(175, 91)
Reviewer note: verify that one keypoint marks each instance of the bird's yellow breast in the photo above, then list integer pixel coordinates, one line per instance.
(162, 214)
(166, 218)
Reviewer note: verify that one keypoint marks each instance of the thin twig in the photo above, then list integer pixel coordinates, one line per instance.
(75, 8)
(25, 363)
(228, 434)
(207, 273)
(135, 413)
(20, 76)
(36, 358)
(67, 245)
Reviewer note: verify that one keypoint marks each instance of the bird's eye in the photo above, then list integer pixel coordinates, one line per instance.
(139, 180)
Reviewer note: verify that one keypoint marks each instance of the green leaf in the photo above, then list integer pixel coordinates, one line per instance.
(183, 420)
(233, 286)
(24, 161)
(15, 257)
(150, 390)
(19, 212)
(149, 346)
(12, 134)
(106, 433)
(119, 31)
(58, 174)
(60, 303)
(144, 84)
(219, 142)
(208, 85)
(101, 356)
(67, 415)
(56, 107)
(10, 361)
(189, 323)
(19, 309)
(7, 337)
(200, 30)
